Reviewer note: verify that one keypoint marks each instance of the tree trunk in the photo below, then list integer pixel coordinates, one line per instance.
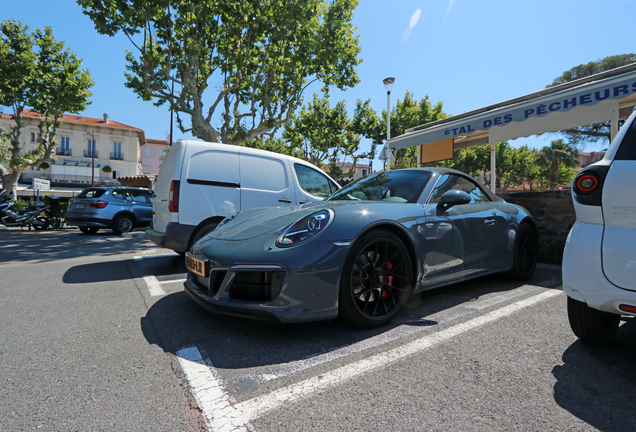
(554, 175)
(10, 182)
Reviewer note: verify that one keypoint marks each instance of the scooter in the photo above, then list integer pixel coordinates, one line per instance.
(27, 217)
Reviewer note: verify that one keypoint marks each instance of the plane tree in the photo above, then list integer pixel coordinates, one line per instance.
(36, 72)
(232, 71)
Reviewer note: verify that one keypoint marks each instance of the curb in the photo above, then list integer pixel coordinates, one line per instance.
(134, 234)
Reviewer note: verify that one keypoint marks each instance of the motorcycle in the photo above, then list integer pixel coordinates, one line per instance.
(27, 217)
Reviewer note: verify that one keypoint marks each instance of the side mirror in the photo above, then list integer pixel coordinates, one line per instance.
(452, 198)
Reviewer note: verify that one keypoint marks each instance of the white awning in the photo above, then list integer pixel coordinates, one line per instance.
(602, 97)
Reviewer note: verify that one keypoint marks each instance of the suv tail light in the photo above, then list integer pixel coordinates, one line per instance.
(99, 204)
(588, 184)
(173, 197)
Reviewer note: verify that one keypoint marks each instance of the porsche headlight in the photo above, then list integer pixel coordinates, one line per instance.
(229, 218)
(306, 228)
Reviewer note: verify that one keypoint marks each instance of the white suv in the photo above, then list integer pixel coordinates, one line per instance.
(599, 262)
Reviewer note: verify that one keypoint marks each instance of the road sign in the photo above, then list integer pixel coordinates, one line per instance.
(40, 184)
(560, 188)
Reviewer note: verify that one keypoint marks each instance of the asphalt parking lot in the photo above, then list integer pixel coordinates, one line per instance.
(98, 334)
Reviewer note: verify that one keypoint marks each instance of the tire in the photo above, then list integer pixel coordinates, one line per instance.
(376, 280)
(202, 232)
(89, 230)
(525, 253)
(591, 325)
(44, 220)
(123, 224)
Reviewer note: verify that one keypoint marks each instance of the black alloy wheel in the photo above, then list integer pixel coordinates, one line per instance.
(526, 252)
(376, 280)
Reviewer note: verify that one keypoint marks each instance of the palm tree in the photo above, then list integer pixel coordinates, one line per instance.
(557, 155)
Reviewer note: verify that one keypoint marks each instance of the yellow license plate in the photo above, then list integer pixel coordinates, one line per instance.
(195, 265)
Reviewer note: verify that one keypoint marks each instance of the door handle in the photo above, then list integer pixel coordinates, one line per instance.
(286, 201)
(489, 222)
(304, 202)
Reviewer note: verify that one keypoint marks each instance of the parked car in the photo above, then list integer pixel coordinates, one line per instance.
(363, 251)
(599, 261)
(121, 209)
(200, 184)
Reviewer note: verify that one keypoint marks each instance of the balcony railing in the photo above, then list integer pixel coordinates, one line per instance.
(89, 154)
(60, 152)
(116, 156)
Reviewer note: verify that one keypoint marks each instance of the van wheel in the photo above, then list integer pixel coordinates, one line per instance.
(592, 325)
(203, 231)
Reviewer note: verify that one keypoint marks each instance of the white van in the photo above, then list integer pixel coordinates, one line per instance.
(200, 184)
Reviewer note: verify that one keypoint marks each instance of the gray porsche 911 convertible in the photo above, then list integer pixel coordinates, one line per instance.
(359, 254)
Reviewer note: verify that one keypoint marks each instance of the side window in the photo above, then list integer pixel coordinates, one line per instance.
(119, 194)
(138, 196)
(313, 182)
(454, 182)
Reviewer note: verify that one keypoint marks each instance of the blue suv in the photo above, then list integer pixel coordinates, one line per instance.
(121, 209)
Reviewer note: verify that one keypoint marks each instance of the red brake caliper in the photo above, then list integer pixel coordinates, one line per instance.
(389, 279)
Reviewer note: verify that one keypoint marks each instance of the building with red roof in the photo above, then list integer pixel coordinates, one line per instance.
(113, 148)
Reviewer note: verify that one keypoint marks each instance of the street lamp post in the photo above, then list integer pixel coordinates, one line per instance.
(388, 84)
(93, 159)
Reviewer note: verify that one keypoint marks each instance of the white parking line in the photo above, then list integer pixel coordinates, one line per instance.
(153, 286)
(216, 404)
(141, 257)
(172, 281)
(222, 415)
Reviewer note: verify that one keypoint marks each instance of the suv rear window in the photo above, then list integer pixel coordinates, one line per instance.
(627, 150)
(91, 193)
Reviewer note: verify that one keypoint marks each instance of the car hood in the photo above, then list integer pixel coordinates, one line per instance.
(254, 222)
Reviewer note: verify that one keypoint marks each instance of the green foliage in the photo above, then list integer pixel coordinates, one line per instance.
(255, 57)
(57, 215)
(19, 204)
(408, 113)
(591, 68)
(597, 131)
(325, 135)
(558, 154)
(37, 72)
(44, 165)
(366, 123)
(275, 145)
(524, 171)
(107, 169)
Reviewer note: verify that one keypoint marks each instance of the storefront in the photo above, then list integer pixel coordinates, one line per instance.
(607, 96)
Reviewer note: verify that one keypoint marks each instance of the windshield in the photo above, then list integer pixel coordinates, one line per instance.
(394, 186)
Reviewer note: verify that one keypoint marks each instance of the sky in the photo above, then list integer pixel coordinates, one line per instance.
(464, 53)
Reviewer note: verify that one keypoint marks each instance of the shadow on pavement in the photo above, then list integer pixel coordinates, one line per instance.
(594, 380)
(20, 246)
(124, 269)
(176, 321)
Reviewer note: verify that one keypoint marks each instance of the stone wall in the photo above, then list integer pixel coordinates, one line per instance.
(554, 214)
